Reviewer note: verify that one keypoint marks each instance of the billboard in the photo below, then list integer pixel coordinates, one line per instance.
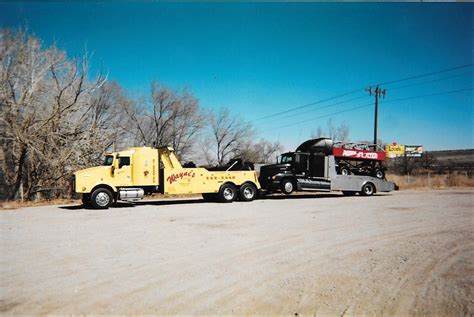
(395, 150)
(413, 150)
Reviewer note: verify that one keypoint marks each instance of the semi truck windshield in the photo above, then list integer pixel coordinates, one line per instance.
(285, 158)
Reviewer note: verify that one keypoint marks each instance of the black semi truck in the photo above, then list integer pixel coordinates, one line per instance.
(324, 165)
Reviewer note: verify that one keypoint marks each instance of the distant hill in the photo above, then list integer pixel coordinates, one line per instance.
(445, 161)
(456, 159)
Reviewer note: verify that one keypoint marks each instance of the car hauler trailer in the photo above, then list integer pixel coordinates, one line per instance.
(129, 175)
(319, 165)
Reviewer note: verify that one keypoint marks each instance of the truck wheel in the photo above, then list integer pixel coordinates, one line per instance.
(102, 198)
(379, 174)
(227, 193)
(247, 192)
(368, 189)
(345, 171)
(287, 186)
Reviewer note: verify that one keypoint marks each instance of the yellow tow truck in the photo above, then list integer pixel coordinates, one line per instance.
(131, 174)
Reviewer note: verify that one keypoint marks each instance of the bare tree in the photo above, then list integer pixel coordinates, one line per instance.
(227, 137)
(261, 152)
(172, 119)
(338, 133)
(54, 118)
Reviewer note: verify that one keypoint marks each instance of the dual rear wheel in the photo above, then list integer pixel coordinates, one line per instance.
(228, 193)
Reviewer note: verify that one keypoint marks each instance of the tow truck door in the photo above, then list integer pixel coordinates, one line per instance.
(123, 171)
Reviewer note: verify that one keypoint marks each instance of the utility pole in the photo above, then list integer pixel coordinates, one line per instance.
(377, 92)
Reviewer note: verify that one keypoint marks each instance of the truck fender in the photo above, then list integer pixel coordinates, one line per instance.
(113, 189)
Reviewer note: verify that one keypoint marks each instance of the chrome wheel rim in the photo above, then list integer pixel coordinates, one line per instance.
(248, 193)
(379, 174)
(102, 199)
(228, 194)
(368, 190)
(288, 187)
(345, 172)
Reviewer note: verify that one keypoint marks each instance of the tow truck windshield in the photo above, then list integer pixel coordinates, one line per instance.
(109, 159)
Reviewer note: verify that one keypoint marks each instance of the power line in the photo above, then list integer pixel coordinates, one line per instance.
(357, 90)
(431, 81)
(317, 109)
(371, 104)
(360, 97)
(424, 75)
(430, 95)
(308, 105)
(327, 115)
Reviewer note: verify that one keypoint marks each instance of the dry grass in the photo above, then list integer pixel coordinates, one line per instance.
(431, 180)
(15, 204)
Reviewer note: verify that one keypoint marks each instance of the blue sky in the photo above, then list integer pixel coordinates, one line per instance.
(263, 58)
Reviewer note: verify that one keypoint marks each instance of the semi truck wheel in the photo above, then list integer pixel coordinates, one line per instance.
(227, 193)
(368, 189)
(101, 198)
(287, 186)
(247, 192)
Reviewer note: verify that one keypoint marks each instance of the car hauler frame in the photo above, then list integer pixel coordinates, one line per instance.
(131, 174)
(288, 182)
(313, 167)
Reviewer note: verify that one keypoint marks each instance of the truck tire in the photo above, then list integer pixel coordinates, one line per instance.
(227, 193)
(210, 196)
(368, 189)
(247, 192)
(101, 198)
(86, 200)
(345, 171)
(380, 174)
(287, 186)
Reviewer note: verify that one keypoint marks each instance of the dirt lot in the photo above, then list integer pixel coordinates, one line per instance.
(408, 252)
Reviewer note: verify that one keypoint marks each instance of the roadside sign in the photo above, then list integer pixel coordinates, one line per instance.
(413, 150)
(394, 150)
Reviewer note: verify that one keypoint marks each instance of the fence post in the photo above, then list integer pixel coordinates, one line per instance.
(429, 180)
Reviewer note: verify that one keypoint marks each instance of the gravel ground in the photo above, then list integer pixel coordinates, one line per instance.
(407, 252)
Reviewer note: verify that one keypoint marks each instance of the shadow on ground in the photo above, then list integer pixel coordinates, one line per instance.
(166, 202)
